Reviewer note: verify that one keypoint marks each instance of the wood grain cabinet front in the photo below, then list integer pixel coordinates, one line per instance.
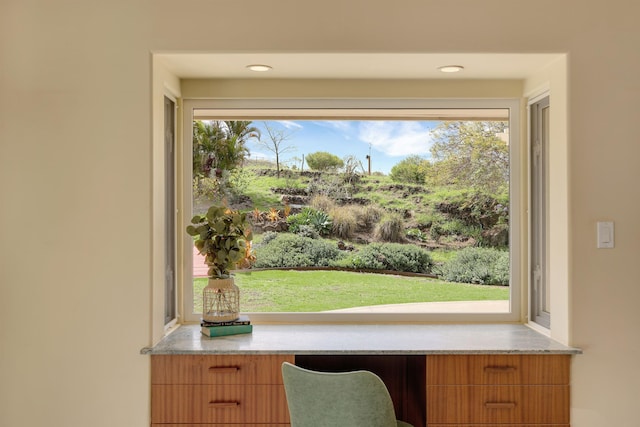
(218, 390)
(498, 390)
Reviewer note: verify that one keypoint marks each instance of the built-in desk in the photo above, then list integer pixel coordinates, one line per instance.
(438, 375)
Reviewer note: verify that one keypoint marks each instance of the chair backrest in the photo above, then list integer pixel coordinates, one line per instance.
(349, 399)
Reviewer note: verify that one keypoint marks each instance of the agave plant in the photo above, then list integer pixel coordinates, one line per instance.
(224, 237)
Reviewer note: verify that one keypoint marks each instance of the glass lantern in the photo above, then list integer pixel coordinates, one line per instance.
(220, 301)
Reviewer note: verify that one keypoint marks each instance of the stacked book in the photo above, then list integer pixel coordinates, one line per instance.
(241, 325)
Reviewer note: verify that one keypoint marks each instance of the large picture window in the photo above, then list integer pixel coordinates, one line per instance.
(362, 210)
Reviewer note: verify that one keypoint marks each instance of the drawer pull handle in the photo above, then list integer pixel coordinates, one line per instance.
(224, 370)
(221, 405)
(499, 405)
(499, 369)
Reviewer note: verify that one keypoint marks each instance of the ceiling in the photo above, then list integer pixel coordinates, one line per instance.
(354, 65)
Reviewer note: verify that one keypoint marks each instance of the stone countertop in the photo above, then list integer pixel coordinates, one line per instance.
(365, 339)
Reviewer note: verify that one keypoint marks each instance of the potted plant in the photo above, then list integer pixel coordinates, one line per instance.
(224, 237)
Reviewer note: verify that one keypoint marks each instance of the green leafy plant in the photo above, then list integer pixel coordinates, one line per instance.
(483, 266)
(309, 216)
(322, 161)
(224, 237)
(307, 231)
(393, 256)
(416, 234)
(413, 169)
(206, 187)
(290, 250)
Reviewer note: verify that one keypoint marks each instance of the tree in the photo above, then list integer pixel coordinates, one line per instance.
(276, 143)
(232, 150)
(220, 145)
(413, 169)
(471, 154)
(205, 137)
(323, 161)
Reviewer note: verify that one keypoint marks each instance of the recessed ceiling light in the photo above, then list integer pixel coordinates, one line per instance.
(451, 68)
(259, 67)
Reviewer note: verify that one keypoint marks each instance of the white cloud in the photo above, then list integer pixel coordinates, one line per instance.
(289, 124)
(396, 138)
(339, 125)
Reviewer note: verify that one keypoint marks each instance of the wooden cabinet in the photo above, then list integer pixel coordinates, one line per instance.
(480, 390)
(498, 390)
(218, 390)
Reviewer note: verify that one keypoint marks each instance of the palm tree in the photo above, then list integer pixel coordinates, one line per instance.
(233, 150)
(220, 145)
(243, 130)
(206, 135)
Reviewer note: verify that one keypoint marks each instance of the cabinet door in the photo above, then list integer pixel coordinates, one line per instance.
(505, 390)
(482, 404)
(498, 369)
(233, 404)
(218, 369)
(496, 425)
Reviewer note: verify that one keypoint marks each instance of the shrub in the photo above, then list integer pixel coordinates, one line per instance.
(309, 216)
(484, 266)
(322, 161)
(307, 231)
(322, 203)
(368, 216)
(330, 185)
(413, 169)
(344, 222)
(390, 229)
(416, 234)
(455, 227)
(289, 250)
(267, 237)
(239, 180)
(393, 256)
(206, 187)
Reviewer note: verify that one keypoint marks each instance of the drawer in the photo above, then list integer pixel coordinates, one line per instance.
(217, 369)
(236, 425)
(498, 369)
(233, 404)
(484, 404)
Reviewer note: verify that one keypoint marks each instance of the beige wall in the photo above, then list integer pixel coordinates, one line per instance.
(76, 177)
(300, 88)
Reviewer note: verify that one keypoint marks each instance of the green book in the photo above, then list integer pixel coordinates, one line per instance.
(220, 331)
(243, 319)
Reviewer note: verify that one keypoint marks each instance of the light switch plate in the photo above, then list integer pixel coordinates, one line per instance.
(605, 235)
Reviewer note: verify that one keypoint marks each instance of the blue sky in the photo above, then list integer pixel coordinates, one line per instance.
(389, 141)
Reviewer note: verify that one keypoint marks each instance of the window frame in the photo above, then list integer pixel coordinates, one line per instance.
(171, 171)
(352, 109)
(539, 287)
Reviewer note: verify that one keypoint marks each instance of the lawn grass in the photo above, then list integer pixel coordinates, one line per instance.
(312, 291)
(259, 190)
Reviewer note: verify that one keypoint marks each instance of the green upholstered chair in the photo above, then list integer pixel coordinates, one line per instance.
(345, 399)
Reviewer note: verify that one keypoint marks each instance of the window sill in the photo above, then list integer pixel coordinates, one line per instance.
(365, 339)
